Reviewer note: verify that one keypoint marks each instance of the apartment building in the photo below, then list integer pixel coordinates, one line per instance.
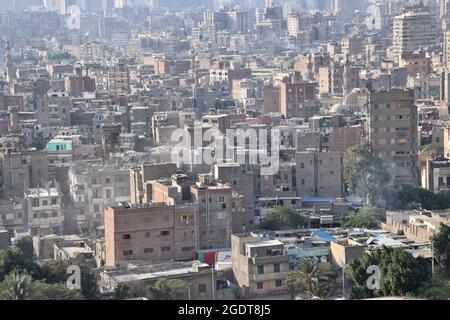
(241, 181)
(294, 95)
(416, 225)
(43, 208)
(393, 132)
(319, 174)
(331, 79)
(412, 30)
(436, 175)
(12, 215)
(215, 212)
(150, 232)
(119, 80)
(95, 187)
(20, 169)
(260, 266)
(141, 176)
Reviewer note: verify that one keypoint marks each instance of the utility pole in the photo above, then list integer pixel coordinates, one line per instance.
(432, 259)
(213, 286)
(343, 279)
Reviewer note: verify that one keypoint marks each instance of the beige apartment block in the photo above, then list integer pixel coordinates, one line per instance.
(260, 266)
(393, 132)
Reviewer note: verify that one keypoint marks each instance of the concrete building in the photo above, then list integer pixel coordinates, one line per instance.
(44, 245)
(331, 79)
(140, 179)
(412, 30)
(119, 80)
(415, 63)
(319, 174)
(44, 212)
(215, 212)
(150, 232)
(346, 137)
(260, 266)
(416, 225)
(21, 169)
(204, 283)
(294, 97)
(12, 216)
(241, 181)
(342, 252)
(78, 252)
(436, 175)
(95, 187)
(393, 132)
(5, 240)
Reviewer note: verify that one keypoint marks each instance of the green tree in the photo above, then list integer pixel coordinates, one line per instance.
(56, 272)
(437, 289)
(56, 291)
(282, 217)
(26, 245)
(401, 273)
(13, 258)
(409, 197)
(321, 288)
(165, 289)
(441, 247)
(367, 217)
(308, 278)
(366, 175)
(123, 292)
(16, 286)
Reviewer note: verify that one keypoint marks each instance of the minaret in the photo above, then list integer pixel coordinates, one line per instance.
(10, 70)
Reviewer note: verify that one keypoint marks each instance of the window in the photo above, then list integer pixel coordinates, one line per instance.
(278, 283)
(202, 289)
(54, 201)
(45, 202)
(221, 199)
(166, 218)
(148, 250)
(128, 252)
(259, 285)
(165, 233)
(261, 269)
(126, 237)
(220, 215)
(187, 249)
(35, 202)
(108, 194)
(108, 181)
(147, 235)
(276, 267)
(165, 248)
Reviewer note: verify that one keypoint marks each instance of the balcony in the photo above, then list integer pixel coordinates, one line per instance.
(268, 259)
(269, 276)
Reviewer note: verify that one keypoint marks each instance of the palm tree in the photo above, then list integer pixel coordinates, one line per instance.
(306, 277)
(17, 286)
(321, 289)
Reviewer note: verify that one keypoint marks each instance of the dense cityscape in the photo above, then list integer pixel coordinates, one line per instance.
(224, 150)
